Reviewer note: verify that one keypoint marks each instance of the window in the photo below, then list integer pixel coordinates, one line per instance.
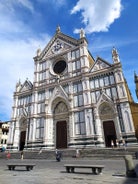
(76, 65)
(97, 93)
(122, 93)
(77, 87)
(40, 128)
(41, 96)
(106, 81)
(79, 123)
(42, 76)
(92, 84)
(41, 107)
(75, 54)
(59, 67)
(78, 100)
(96, 83)
(93, 97)
(112, 80)
(101, 82)
(42, 66)
(114, 92)
(119, 77)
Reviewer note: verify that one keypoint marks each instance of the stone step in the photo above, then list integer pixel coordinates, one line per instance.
(70, 153)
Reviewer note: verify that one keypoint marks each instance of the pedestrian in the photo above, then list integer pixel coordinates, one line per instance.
(124, 143)
(112, 143)
(77, 153)
(22, 154)
(8, 155)
(117, 143)
(58, 155)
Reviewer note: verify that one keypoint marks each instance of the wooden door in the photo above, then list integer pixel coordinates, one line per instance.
(109, 133)
(22, 139)
(61, 134)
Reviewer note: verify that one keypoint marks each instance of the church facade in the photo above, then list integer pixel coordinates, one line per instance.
(74, 100)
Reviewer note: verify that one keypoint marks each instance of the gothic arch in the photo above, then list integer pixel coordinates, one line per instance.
(61, 125)
(107, 115)
(23, 128)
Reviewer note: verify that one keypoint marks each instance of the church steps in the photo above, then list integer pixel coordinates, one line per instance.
(94, 153)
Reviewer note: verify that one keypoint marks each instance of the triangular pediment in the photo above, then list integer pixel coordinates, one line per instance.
(58, 44)
(26, 86)
(59, 92)
(104, 98)
(58, 95)
(99, 65)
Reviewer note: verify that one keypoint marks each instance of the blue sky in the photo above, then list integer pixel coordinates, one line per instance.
(26, 25)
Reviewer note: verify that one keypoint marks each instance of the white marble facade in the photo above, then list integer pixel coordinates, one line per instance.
(74, 100)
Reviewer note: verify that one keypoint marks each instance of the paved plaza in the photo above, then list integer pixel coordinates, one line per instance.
(52, 172)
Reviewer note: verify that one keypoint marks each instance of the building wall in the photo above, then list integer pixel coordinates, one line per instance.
(4, 130)
(74, 101)
(134, 109)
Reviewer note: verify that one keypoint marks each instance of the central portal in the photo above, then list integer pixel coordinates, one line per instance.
(61, 134)
(109, 133)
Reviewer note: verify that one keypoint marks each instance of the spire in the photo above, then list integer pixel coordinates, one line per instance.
(115, 55)
(82, 33)
(18, 85)
(58, 29)
(38, 52)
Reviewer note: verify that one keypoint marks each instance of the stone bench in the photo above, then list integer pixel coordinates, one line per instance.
(96, 169)
(28, 166)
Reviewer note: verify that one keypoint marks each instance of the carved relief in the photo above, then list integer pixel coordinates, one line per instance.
(106, 111)
(60, 108)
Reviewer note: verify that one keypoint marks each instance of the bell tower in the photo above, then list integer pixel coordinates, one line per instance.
(136, 83)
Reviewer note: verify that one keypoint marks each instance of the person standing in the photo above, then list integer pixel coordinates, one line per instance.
(58, 155)
(8, 155)
(77, 153)
(112, 143)
(22, 154)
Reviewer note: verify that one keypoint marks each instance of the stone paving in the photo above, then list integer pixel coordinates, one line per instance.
(52, 172)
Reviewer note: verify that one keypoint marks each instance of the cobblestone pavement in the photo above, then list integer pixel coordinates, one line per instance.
(52, 172)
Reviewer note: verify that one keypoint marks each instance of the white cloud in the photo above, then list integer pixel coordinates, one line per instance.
(16, 62)
(17, 49)
(97, 15)
(27, 4)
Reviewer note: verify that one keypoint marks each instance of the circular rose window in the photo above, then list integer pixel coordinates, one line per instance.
(59, 67)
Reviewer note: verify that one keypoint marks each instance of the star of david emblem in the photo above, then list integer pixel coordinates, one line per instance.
(57, 46)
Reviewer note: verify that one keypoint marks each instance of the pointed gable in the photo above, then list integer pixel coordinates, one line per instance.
(99, 65)
(26, 86)
(59, 91)
(59, 43)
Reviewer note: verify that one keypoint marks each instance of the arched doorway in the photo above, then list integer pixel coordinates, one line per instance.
(61, 123)
(23, 127)
(107, 116)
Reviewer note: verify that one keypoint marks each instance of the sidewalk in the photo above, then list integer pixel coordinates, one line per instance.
(52, 172)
